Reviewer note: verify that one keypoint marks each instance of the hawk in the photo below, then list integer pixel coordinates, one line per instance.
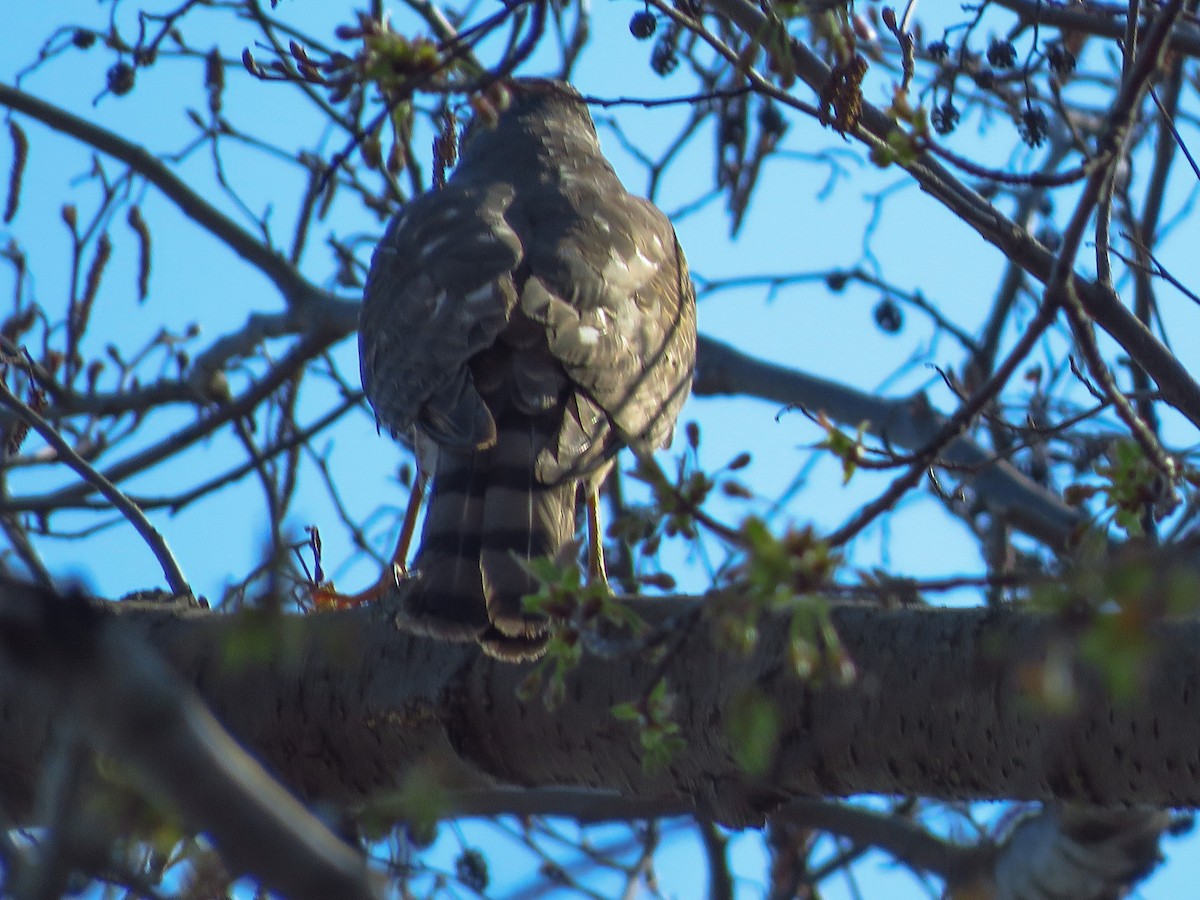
(520, 325)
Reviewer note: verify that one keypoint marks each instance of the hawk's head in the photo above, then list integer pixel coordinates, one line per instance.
(543, 116)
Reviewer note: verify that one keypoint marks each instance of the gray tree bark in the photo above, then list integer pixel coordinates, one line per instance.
(341, 706)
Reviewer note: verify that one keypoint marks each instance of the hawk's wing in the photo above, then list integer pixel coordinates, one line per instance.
(614, 293)
(440, 291)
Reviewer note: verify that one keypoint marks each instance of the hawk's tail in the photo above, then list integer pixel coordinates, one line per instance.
(487, 514)
(449, 594)
(523, 519)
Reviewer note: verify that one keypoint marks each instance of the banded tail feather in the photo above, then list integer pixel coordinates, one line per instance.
(488, 514)
(450, 590)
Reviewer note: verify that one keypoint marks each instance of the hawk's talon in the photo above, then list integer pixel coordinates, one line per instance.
(324, 596)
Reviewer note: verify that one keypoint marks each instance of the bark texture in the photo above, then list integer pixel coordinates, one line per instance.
(341, 706)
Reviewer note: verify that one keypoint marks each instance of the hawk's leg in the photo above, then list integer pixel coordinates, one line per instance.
(596, 569)
(396, 570)
(399, 567)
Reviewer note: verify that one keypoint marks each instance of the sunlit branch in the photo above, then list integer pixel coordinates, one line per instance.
(908, 422)
(269, 26)
(1060, 287)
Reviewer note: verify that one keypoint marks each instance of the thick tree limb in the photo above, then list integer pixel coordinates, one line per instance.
(343, 706)
(88, 669)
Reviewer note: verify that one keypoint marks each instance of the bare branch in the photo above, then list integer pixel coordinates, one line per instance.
(155, 541)
(298, 292)
(1172, 377)
(305, 349)
(910, 423)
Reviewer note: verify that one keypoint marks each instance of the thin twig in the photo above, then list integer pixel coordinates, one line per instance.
(158, 545)
(301, 352)
(294, 287)
(1179, 388)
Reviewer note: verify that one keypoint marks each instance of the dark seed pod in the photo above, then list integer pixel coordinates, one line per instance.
(888, 316)
(120, 78)
(944, 118)
(1002, 54)
(1033, 126)
(1061, 60)
(771, 120)
(664, 59)
(642, 25)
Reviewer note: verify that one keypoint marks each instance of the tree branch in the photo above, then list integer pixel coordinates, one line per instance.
(94, 671)
(297, 291)
(1071, 17)
(305, 348)
(1104, 305)
(126, 507)
(344, 705)
(909, 422)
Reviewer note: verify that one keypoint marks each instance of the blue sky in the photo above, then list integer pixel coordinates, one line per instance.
(791, 228)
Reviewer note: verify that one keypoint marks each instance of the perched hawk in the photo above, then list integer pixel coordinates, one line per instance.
(522, 324)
